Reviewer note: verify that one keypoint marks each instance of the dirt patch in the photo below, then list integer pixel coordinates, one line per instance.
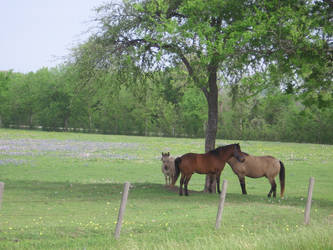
(69, 148)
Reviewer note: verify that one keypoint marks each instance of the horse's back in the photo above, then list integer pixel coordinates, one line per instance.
(199, 163)
(264, 166)
(255, 166)
(171, 164)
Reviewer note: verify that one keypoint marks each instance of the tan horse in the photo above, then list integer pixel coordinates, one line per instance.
(168, 168)
(259, 166)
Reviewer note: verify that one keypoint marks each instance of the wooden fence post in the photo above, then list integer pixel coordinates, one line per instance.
(2, 186)
(221, 204)
(122, 210)
(308, 202)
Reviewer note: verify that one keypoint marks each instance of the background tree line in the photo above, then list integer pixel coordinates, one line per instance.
(161, 103)
(233, 69)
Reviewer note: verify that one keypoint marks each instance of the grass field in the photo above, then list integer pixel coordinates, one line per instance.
(63, 191)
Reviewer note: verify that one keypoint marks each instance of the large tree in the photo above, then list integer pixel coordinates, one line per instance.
(209, 38)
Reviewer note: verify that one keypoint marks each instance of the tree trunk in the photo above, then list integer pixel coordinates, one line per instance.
(212, 99)
(66, 124)
(90, 121)
(30, 119)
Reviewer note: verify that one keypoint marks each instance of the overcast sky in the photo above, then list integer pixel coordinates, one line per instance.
(39, 33)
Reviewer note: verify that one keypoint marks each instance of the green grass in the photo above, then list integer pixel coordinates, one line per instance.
(63, 191)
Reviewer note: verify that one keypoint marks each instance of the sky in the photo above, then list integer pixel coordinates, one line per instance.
(40, 33)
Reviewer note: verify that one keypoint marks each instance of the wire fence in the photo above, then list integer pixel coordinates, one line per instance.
(173, 133)
(91, 219)
(204, 213)
(111, 206)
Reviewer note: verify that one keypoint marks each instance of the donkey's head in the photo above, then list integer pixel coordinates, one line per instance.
(165, 158)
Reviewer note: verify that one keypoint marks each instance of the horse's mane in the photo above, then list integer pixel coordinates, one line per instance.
(218, 149)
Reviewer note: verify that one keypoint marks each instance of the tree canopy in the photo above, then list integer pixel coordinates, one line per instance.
(285, 41)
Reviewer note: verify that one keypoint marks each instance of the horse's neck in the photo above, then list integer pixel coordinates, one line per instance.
(231, 160)
(227, 155)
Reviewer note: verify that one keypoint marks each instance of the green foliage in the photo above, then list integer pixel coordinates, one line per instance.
(301, 33)
(22, 98)
(257, 45)
(194, 110)
(274, 116)
(4, 85)
(159, 104)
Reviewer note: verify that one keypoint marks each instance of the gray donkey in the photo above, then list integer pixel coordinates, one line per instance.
(168, 168)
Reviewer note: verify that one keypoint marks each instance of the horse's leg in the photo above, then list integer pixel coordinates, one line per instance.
(218, 183)
(273, 188)
(172, 179)
(210, 190)
(187, 180)
(242, 184)
(181, 182)
(218, 177)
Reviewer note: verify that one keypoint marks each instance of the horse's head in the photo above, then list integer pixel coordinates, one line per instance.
(237, 153)
(165, 158)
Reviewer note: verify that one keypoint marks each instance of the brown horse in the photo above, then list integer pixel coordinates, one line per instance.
(259, 166)
(211, 163)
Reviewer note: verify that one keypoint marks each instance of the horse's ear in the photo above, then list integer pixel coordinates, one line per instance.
(168, 154)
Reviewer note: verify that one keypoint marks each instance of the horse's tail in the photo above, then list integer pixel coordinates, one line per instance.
(282, 178)
(177, 171)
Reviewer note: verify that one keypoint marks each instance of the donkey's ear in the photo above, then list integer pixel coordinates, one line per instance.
(168, 153)
(162, 154)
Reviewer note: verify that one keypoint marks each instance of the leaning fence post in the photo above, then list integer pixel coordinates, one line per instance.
(122, 210)
(308, 202)
(2, 186)
(221, 204)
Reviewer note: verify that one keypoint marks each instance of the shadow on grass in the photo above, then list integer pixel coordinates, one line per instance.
(48, 191)
(249, 198)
